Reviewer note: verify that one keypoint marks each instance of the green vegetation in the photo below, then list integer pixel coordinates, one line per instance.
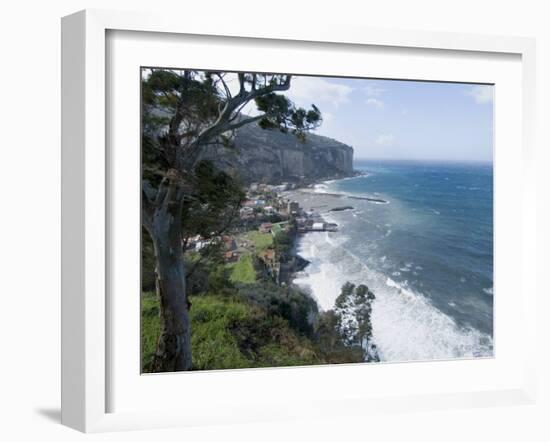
(260, 240)
(241, 318)
(150, 328)
(297, 308)
(353, 308)
(257, 325)
(184, 113)
(282, 242)
(230, 333)
(276, 228)
(243, 270)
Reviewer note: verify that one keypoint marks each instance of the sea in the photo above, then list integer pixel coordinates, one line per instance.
(426, 252)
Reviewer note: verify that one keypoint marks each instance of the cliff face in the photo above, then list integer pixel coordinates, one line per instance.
(272, 156)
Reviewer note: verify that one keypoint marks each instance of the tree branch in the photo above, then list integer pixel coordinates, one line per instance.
(177, 119)
(218, 127)
(244, 122)
(227, 91)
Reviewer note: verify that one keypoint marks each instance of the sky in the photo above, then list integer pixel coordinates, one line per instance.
(391, 119)
(396, 119)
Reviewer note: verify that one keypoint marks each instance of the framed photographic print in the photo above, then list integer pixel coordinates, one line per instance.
(248, 217)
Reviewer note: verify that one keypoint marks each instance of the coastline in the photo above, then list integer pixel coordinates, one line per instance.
(410, 321)
(353, 310)
(317, 204)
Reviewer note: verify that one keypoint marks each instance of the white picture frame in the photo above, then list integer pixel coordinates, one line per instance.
(86, 357)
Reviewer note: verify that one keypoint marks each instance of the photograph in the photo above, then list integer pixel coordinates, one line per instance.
(302, 220)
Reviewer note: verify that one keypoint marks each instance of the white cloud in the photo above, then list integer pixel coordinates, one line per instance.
(481, 93)
(305, 91)
(327, 117)
(375, 102)
(384, 140)
(373, 91)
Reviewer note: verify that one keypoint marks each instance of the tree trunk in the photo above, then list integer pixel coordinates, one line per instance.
(174, 344)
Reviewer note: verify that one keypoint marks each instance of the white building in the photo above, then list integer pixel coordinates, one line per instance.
(318, 226)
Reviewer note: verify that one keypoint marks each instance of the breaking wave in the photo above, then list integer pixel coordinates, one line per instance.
(406, 326)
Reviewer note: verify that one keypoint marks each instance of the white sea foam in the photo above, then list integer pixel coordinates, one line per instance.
(406, 326)
(320, 188)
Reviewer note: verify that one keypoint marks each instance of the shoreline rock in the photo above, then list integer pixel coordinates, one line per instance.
(341, 208)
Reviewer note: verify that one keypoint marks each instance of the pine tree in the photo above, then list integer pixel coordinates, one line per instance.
(186, 114)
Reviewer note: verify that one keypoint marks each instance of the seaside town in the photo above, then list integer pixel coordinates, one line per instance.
(242, 264)
(264, 232)
(219, 260)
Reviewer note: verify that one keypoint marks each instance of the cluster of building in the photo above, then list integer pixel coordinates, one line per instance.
(265, 201)
(261, 187)
(259, 206)
(229, 247)
(270, 212)
(314, 224)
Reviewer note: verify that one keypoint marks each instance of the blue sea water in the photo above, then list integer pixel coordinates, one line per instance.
(427, 254)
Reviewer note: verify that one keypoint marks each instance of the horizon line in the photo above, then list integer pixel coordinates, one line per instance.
(450, 160)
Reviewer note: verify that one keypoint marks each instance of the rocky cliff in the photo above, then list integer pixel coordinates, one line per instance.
(272, 156)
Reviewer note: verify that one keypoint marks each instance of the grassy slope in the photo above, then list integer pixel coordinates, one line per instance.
(150, 327)
(243, 270)
(261, 241)
(229, 333)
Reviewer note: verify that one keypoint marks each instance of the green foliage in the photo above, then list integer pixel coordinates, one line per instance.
(218, 277)
(296, 307)
(162, 88)
(361, 292)
(261, 241)
(229, 333)
(280, 113)
(209, 210)
(282, 242)
(162, 91)
(184, 112)
(344, 297)
(183, 107)
(243, 270)
(213, 203)
(331, 343)
(254, 325)
(213, 344)
(150, 328)
(352, 313)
